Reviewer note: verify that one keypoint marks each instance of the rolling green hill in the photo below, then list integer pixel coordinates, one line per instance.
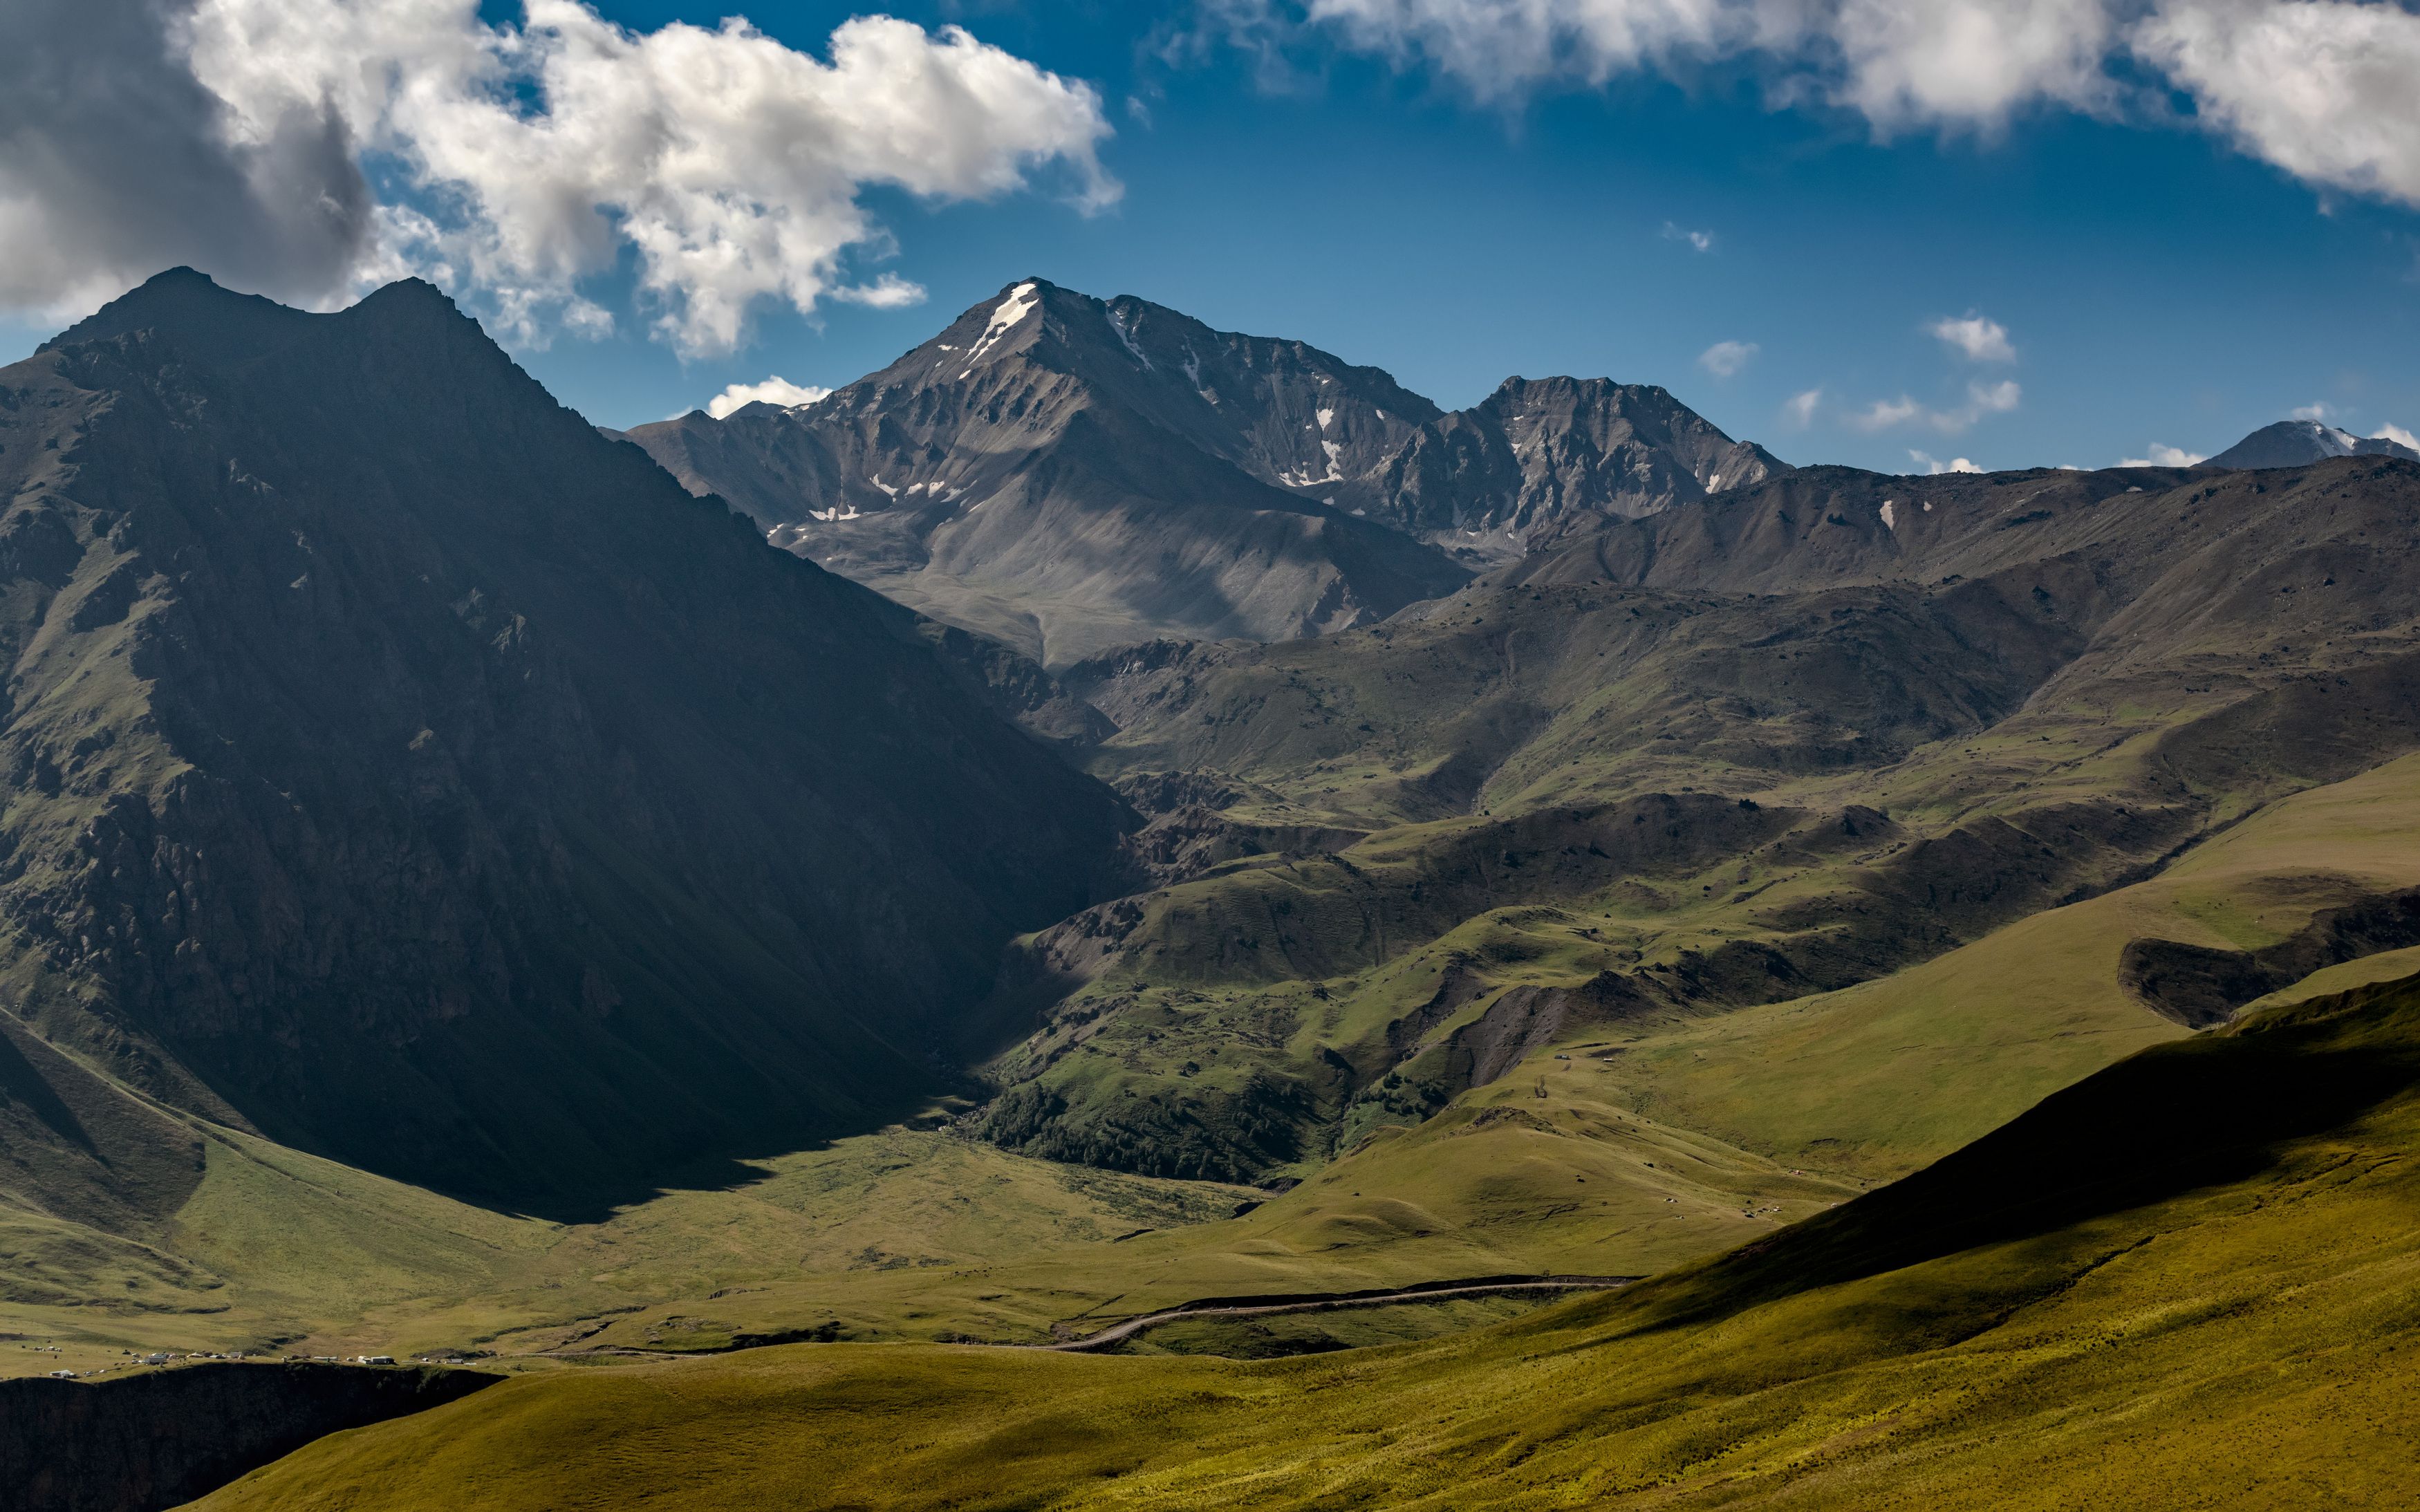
(1862, 720)
(2191, 1279)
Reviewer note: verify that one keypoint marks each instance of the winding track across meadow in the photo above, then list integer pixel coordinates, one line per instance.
(1320, 1302)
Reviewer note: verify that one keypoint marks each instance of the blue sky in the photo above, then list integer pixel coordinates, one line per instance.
(2157, 285)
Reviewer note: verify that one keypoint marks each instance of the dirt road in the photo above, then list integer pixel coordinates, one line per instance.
(1118, 1334)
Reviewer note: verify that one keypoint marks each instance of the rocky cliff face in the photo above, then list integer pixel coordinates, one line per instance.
(397, 767)
(1541, 455)
(1073, 474)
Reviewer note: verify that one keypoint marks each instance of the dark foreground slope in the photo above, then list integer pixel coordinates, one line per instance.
(397, 767)
(2191, 1280)
(164, 1438)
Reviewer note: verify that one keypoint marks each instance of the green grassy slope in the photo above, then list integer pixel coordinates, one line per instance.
(1659, 1140)
(1860, 743)
(280, 1251)
(2191, 1280)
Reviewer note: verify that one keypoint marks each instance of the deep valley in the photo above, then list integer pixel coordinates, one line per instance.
(748, 929)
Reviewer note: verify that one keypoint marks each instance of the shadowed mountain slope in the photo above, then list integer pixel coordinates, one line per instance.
(399, 769)
(1071, 475)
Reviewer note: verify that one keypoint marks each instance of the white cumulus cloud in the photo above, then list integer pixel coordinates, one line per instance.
(1981, 339)
(1970, 61)
(1933, 465)
(1726, 358)
(521, 160)
(776, 390)
(2163, 456)
(2398, 435)
(2322, 88)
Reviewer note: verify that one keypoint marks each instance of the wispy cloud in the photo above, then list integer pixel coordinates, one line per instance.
(1886, 414)
(1978, 338)
(2309, 411)
(2398, 435)
(1798, 410)
(1726, 358)
(1698, 241)
(2321, 88)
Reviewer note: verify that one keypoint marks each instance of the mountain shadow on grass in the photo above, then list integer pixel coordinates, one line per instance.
(2203, 1113)
(2198, 986)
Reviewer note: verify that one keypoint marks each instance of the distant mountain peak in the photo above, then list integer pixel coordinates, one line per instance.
(1359, 491)
(2291, 443)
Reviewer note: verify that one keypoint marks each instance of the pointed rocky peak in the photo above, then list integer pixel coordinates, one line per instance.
(1639, 431)
(993, 328)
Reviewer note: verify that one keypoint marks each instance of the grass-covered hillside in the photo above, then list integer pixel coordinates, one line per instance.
(1608, 1148)
(2192, 1279)
(1695, 767)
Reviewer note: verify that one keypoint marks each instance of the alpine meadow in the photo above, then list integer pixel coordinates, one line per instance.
(1120, 914)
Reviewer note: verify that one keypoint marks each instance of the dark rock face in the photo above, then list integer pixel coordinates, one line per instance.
(1542, 455)
(2293, 444)
(166, 1437)
(1072, 475)
(400, 768)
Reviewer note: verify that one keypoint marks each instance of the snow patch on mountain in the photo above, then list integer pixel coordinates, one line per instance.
(1019, 304)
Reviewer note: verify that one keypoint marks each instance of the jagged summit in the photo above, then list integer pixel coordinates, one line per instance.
(1072, 473)
(2292, 444)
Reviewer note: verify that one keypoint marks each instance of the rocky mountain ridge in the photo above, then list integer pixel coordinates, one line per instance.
(1072, 474)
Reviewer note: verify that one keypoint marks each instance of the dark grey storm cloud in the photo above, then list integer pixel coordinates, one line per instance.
(114, 164)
